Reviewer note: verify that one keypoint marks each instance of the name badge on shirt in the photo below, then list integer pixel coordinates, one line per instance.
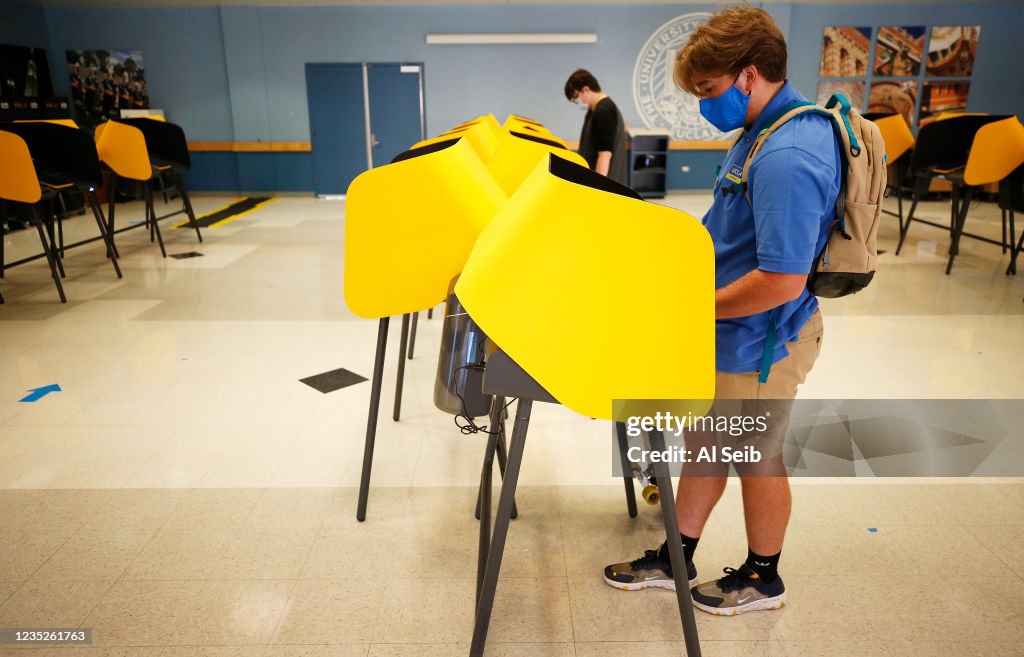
(735, 174)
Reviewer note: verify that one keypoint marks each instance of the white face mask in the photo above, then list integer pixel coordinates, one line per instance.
(580, 105)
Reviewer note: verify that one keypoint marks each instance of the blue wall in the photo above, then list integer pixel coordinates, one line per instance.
(23, 24)
(237, 73)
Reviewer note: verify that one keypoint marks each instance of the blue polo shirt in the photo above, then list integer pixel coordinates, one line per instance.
(794, 182)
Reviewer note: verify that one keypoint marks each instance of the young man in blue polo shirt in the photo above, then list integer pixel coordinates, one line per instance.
(766, 240)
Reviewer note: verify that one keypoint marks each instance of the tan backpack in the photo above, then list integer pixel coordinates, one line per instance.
(847, 263)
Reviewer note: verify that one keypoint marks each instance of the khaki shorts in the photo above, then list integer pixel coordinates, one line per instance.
(743, 401)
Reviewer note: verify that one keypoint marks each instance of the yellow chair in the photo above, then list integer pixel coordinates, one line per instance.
(996, 151)
(517, 156)
(139, 150)
(19, 184)
(898, 142)
(66, 162)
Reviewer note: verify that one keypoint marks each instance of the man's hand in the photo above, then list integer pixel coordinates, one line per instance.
(604, 161)
(757, 292)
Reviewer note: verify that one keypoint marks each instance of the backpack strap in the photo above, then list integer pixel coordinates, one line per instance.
(788, 112)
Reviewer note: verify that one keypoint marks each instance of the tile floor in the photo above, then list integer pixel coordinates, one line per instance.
(186, 496)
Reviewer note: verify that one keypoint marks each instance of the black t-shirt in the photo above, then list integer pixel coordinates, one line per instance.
(604, 130)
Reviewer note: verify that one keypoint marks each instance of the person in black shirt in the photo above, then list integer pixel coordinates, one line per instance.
(603, 138)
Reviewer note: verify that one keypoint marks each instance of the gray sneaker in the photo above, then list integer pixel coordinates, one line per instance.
(651, 570)
(741, 590)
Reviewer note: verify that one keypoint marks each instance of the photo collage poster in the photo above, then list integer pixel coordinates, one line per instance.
(104, 82)
(915, 71)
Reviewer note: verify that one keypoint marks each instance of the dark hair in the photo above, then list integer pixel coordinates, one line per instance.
(579, 79)
(729, 42)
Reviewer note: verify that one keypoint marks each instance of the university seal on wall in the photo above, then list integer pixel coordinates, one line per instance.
(660, 103)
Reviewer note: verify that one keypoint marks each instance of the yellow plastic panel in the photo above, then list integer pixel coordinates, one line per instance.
(515, 158)
(597, 296)
(18, 181)
(487, 120)
(513, 123)
(64, 122)
(409, 227)
(123, 148)
(896, 135)
(480, 137)
(997, 149)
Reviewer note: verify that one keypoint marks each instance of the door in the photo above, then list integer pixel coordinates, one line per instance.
(360, 116)
(395, 113)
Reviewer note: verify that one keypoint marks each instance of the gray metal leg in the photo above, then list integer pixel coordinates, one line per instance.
(187, 202)
(412, 333)
(961, 206)
(154, 226)
(675, 548)
(483, 500)
(401, 368)
(916, 196)
(51, 256)
(502, 452)
(627, 472)
(501, 522)
(97, 213)
(371, 418)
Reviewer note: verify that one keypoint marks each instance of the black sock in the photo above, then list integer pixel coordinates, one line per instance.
(689, 547)
(767, 568)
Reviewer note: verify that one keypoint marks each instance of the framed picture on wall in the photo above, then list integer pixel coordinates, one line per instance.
(24, 73)
(898, 51)
(951, 51)
(103, 82)
(938, 96)
(844, 52)
(894, 97)
(853, 90)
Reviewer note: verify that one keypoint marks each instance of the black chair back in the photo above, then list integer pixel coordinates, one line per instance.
(945, 144)
(165, 142)
(1011, 191)
(61, 153)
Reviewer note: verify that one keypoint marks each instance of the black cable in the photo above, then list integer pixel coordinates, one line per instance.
(469, 427)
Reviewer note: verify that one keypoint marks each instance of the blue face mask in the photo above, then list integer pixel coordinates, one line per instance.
(726, 111)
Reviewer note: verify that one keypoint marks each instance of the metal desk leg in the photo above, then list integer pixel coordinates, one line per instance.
(154, 227)
(49, 249)
(675, 547)
(412, 333)
(960, 218)
(627, 471)
(187, 202)
(501, 522)
(97, 213)
(371, 418)
(502, 453)
(401, 367)
(483, 499)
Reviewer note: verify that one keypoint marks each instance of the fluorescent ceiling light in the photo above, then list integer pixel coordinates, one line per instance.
(518, 38)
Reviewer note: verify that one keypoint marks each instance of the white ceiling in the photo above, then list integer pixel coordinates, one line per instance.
(216, 3)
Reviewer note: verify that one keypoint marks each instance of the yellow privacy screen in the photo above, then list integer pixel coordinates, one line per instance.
(518, 154)
(479, 137)
(410, 225)
(597, 294)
